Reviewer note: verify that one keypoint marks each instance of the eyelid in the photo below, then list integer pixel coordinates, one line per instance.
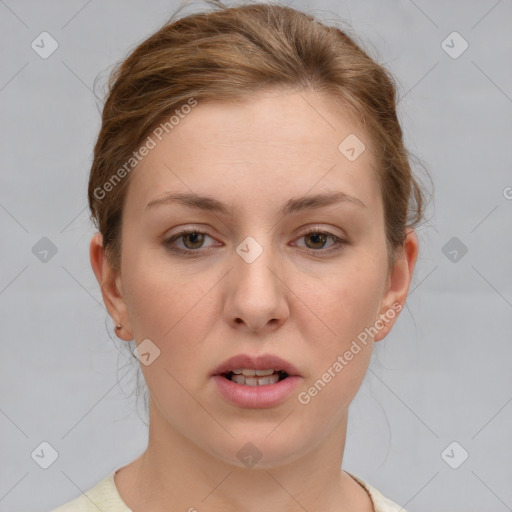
(320, 228)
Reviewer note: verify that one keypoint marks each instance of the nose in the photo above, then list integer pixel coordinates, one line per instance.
(257, 295)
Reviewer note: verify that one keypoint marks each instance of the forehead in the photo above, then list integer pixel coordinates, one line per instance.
(274, 144)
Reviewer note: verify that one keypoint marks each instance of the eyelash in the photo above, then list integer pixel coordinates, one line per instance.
(339, 243)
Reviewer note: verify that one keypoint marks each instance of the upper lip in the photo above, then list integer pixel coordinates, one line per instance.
(256, 362)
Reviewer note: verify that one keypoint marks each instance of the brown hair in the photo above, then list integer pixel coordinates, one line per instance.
(227, 54)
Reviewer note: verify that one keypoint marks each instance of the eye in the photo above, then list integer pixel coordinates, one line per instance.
(318, 238)
(192, 239)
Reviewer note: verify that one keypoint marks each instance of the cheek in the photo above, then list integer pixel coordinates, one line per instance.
(176, 311)
(161, 297)
(347, 301)
(342, 307)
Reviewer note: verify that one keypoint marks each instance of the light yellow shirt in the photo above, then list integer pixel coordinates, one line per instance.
(104, 496)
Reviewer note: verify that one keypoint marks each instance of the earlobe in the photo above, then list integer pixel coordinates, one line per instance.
(111, 287)
(398, 283)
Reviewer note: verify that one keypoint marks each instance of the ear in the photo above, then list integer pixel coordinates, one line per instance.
(398, 282)
(111, 287)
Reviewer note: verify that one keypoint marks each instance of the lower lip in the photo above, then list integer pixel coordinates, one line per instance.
(256, 397)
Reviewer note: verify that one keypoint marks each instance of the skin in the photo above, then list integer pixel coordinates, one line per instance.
(199, 311)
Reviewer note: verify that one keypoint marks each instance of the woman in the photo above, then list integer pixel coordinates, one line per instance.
(256, 213)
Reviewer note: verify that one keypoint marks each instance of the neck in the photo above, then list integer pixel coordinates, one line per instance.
(175, 471)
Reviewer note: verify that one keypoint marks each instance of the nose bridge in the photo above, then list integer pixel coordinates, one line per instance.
(255, 259)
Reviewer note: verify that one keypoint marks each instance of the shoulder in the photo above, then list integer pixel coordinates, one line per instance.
(380, 502)
(103, 496)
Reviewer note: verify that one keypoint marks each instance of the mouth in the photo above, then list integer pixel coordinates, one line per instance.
(256, 369)
(256, 381)
(249, 377)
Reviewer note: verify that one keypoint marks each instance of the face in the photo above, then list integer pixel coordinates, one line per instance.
(268, 271)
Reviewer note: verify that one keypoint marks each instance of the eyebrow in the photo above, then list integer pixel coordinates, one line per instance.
(293, 205)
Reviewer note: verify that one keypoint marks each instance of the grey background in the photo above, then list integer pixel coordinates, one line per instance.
(442, 375)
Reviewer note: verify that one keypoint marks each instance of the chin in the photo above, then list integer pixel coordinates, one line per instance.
(259, 451)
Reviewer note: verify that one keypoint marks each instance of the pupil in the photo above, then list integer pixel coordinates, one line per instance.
(315, 236)
(193, 235)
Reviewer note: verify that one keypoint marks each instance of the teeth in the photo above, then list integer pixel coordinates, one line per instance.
(265, 373)
(255, 381)
(251, 373)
